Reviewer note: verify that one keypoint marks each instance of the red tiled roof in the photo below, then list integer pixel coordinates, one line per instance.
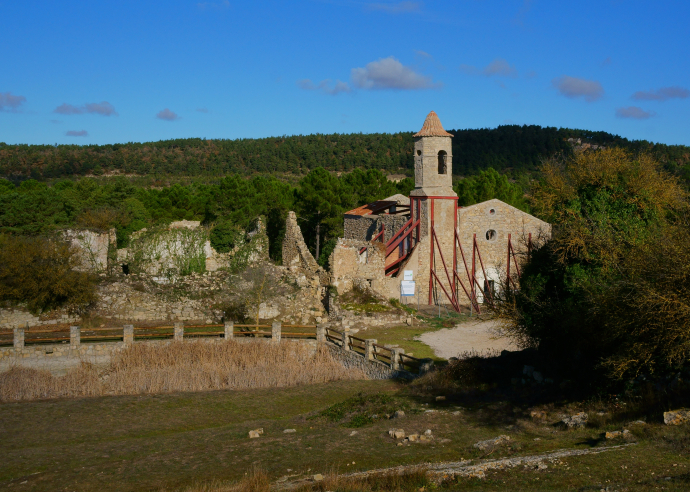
(372, 208)
(432, 127)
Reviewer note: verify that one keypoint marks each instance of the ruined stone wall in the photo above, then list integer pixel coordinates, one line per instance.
(361, 228)
(129, 301)
(93, 248)
(347, 264)
(296, 255)
(365, 228)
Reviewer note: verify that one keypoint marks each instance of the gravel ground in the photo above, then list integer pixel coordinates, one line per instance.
(477, 336)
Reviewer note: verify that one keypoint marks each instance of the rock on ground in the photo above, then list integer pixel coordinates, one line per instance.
(492, 443)
(676, 417)
(577, 420)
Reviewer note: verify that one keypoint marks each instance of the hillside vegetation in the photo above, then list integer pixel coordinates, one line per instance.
(519, 148)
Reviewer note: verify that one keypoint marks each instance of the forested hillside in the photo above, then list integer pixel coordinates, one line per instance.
(511, 147)
(229, 206)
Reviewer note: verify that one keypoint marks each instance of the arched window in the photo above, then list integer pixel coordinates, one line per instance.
(442, 158)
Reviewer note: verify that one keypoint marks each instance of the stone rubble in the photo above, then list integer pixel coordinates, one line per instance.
(578, 420)
(491, 444)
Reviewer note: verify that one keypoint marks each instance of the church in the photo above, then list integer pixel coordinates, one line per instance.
(426, 246)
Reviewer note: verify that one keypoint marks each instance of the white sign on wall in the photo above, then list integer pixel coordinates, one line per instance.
(407, 275)
(407, 288)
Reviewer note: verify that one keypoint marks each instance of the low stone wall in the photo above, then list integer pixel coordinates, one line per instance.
(59, 358)
(372, 369)
(18, 318)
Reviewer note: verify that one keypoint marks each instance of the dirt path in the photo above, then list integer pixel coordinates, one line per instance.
(478, 336)
(469, 468)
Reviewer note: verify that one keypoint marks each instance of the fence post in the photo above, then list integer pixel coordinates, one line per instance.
(74, 337)
(276, 331)
(19, 338)
(320, 333)
(396, 364)
(128, 334)
(178, 331)
(346, 339)
(229, 329)
(369, 348)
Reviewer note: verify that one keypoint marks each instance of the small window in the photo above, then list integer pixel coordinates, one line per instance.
(442, 165)
(125, 269)
(492, 211)
(490, 235)
(419, 152)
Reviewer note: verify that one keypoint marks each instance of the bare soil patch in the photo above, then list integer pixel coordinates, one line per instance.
(478, 336)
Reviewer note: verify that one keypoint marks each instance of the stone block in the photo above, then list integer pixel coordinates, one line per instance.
(178, 332)
(276, 330)
(19, 338)
(229, 330)
(676, 417)
(74, 336)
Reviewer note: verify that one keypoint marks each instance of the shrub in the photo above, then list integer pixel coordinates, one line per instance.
(225, 236)
(609, 293)
(42, 273)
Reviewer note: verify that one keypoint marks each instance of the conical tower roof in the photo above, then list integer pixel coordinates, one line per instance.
(432, 127)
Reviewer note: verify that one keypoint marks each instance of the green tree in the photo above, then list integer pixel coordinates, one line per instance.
(585, 297)
(487, 185)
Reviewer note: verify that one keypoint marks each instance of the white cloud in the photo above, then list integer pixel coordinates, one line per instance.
(77, 133)
(10, 103)
(103, 108)
(634, 112)
(574, 87)
(396, 7)
(325, 86)
(389, 73)
(498, 67)
(68, 109)
(167, 115)
(662, 94)
(423, 54)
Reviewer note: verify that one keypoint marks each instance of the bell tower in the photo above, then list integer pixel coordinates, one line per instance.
(434, 208)
(433, 159)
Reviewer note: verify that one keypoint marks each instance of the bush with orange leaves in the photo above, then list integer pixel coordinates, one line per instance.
(42, 273)
(609, 294)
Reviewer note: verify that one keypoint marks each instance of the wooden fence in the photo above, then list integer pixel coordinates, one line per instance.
(395, 358)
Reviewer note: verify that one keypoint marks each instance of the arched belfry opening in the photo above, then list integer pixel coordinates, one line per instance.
(442, 162)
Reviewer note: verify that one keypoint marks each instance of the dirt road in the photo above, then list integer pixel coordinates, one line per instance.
(478, 336)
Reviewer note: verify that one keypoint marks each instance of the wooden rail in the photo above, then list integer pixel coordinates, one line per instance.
(394, 358)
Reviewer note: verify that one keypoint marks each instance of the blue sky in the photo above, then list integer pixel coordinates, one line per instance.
(105, 71)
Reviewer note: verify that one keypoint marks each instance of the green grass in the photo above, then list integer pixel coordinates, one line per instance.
(405, 336)
(367, 307)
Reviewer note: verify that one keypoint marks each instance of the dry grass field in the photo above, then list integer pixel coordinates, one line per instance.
(189, 366)
(199, 442)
